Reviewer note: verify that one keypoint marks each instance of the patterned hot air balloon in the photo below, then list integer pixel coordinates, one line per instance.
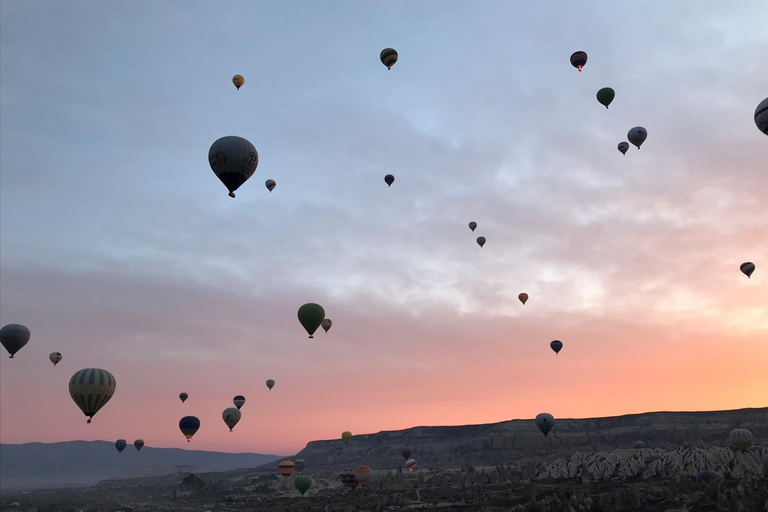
(55, 358)
(120, 444)
(410, 465)
(233, 160)
(388, 57)
(740, 439)
(523, 297)
(239, 401)
(623, 147)
(270, 184)
(556, 345)
(91, 389)
(239, 81)
(231, 416)
(270, 384)
(139, 444)
(183, 397)
(545, 422)
(13, 337)
(302, 483)
(579, 60)
(188, 426)
(300, 465)
(286, 468)
(348, 479)
(326, 325)
(363, 475)
(761, 116)
(637, 136)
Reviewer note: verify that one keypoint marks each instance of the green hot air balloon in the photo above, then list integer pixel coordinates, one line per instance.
(311, 316)
(605, 96)
(388, 57)
(91, 389)
(302, 483)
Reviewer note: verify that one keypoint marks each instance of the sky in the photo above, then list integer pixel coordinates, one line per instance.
(120, 248)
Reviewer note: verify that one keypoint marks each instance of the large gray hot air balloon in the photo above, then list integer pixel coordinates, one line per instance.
(13, 337)
(91, 389)
(761, 116)
(234, 160)
(746, 268)
(637, 136)
(231, 416)
(545, 422)
(740, 439)
(623, 147)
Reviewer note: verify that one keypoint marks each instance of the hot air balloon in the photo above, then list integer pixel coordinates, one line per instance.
(300, 465)
(286, 468)
(740, 439)
(120, 444)
(233, 160)
(183, 397)
(472, 225)
(545, 422)
(605, 96)
(238, 80)
(311, 316)
(231, 416)
(638, 445)
(410, 465)
(139, 444)
(406, 453)
(579, 60)
(523, 298)
(761, 116)
(746, 268)
(388, 57)
(302, 483)
(346, 436)
(389, 179)
(557, 346)
(13, 337)
(348, 479)
(55, 358)
(188, 426)
(707, 477)
(91, 389)
(270, 384)
(623, 147)
(481, 241)
(363, 475)
(239, 401)
(326, 325)
(637, 136)
(270, 184)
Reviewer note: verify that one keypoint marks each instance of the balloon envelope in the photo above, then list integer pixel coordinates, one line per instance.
(623, 147)
(286, 468)
(557, 346)
(188, 426)
(183, 397)
(55, 357)
(139, 444)
(231, 416)
(120, 444)
(638, 444)
(406, 453)
(270, 384)
(637, 136)
(270, 184)
(326, 324)
(346, 436)
(481, 241)
(747, 268)
(300, 464)
(523, 298)
(238, 80)
(740, 439)
(545, 422)
(239, 401)
(605, 96)
(91, 389)
(348, 479)
(363, 475)
(388, 57)
(410, 465)
(389, 179)
(233, 160)
(472, 225)
(311, 316)
(13, 337)
(579, 60)
(302, 483)
(761, 116)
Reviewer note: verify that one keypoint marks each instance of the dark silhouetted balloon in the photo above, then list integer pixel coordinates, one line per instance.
(579, 60)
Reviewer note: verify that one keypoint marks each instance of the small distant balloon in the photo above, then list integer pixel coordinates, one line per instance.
(523, 297)
(302, 483)
(139, 444)
(761, 116)
(188, 426)
(270, 384)
(286, 468)
(348, 479)
(270, 184)
(746, 268)
(183, 397)
(233, 160)
(579, 60)
(410, 465)
(639, 444)
(13, 337)
(120, 444)
(300, 465)
(239, 81)
(55, 358)
(545, 422)
(346, 436)
(326, 325)
(406, 453)
(605, 96)
(740, 439)
(637, 136)
(708, 477)
(231, 416)
(557, 346)
(472, 225)
(481, 241)
(388, 57)
(239, 401)
(91, 389)
(389, 179)
(623, 147)
(311, 316)
(363, 475)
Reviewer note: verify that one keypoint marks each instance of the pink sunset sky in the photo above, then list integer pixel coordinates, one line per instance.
(120, 248)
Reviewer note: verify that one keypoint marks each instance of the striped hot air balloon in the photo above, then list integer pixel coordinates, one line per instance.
(139, 444)
(188, 426)
(13, 337)
(120, 444)
(410, 465)
(740, 439)
(348, 479)
(388, 57)
(91, 389)
(286, 468)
